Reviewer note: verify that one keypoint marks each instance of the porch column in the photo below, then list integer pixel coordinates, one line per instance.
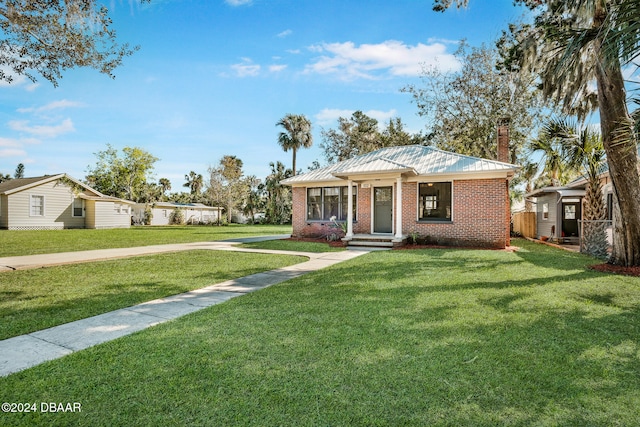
(349, 210)
(399, 208)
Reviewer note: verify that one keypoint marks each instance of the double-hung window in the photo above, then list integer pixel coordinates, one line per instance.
(434, 201)
(324, 203)
(36, 205)
(78, 207)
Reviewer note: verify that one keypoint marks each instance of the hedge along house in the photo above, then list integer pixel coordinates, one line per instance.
(393, 192)
(194, 213)
(57, 202)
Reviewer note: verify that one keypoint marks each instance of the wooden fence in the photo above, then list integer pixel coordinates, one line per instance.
(525, 224)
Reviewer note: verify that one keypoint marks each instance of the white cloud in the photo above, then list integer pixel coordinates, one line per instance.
(285, 33)
(42, 131)
(275, 68)
(12, 152)
(15, 147)
(371, 61)
(55, 105)
(246, 68)
(329, 116)
(237, 2)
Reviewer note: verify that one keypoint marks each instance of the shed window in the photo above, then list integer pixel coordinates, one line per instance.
(327, 202)
(36, 205)
(434, 201)
(545, 211)
(78, 207)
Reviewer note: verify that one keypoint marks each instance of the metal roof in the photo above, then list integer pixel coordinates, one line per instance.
(412, 159)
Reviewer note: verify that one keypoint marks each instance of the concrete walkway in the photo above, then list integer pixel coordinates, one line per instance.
(25, 351)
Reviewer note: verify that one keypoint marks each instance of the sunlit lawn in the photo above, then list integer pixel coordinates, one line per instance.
(31, 300)
(425, 337)
(26, 242)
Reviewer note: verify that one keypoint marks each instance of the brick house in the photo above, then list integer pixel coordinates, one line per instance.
(443, 197)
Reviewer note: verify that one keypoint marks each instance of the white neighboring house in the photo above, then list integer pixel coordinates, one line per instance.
(194, 213)
(57, 202)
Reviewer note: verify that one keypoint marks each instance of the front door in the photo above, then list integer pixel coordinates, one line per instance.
(570, 216)
(383, 209)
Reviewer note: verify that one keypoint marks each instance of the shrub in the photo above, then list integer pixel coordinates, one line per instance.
(176, 217)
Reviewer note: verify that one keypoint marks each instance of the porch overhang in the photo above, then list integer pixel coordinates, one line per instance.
(376, 169)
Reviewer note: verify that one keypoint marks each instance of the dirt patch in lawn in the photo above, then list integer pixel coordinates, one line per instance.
(616, 269)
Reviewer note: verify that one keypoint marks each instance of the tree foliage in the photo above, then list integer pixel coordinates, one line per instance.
(19, 173)
(227, 187)
(463, 108)
(47, 37)
(278, 197)
(360, 134)
(195, 182)
(127, 176)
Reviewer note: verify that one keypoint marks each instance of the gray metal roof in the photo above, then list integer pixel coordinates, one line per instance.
(413, 159)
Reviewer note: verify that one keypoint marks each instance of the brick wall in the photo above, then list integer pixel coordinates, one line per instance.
(480, 214)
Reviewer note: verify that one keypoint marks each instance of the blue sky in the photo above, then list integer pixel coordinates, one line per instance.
(213, 77)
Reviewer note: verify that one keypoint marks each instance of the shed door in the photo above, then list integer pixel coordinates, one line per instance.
(570, 216)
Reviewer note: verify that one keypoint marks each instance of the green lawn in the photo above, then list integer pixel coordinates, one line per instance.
(425, 337)
(24, 242)
(31, 300)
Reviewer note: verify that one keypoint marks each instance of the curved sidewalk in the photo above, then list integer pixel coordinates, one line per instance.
(25, 351)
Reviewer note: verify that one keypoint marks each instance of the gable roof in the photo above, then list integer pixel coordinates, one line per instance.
(20, 184)
(409, 160)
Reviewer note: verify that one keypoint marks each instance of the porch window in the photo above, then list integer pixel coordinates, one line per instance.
(434, 201)
(326, 202)
(570, 212)
(36, 207)
(78, 207)
(331, 202)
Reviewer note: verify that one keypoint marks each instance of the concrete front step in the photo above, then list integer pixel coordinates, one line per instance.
(374, 241)
(370, 243)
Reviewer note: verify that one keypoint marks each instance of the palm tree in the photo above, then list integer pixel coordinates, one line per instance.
(549, 144)
(165, 184)
(296, 134)
(194, 182)
(572, 44)
(583, 151)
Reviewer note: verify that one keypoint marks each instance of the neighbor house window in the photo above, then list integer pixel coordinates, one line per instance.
(434, 202)
(545, 211)
(36, 205)
(78, 207)
(327, 202)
